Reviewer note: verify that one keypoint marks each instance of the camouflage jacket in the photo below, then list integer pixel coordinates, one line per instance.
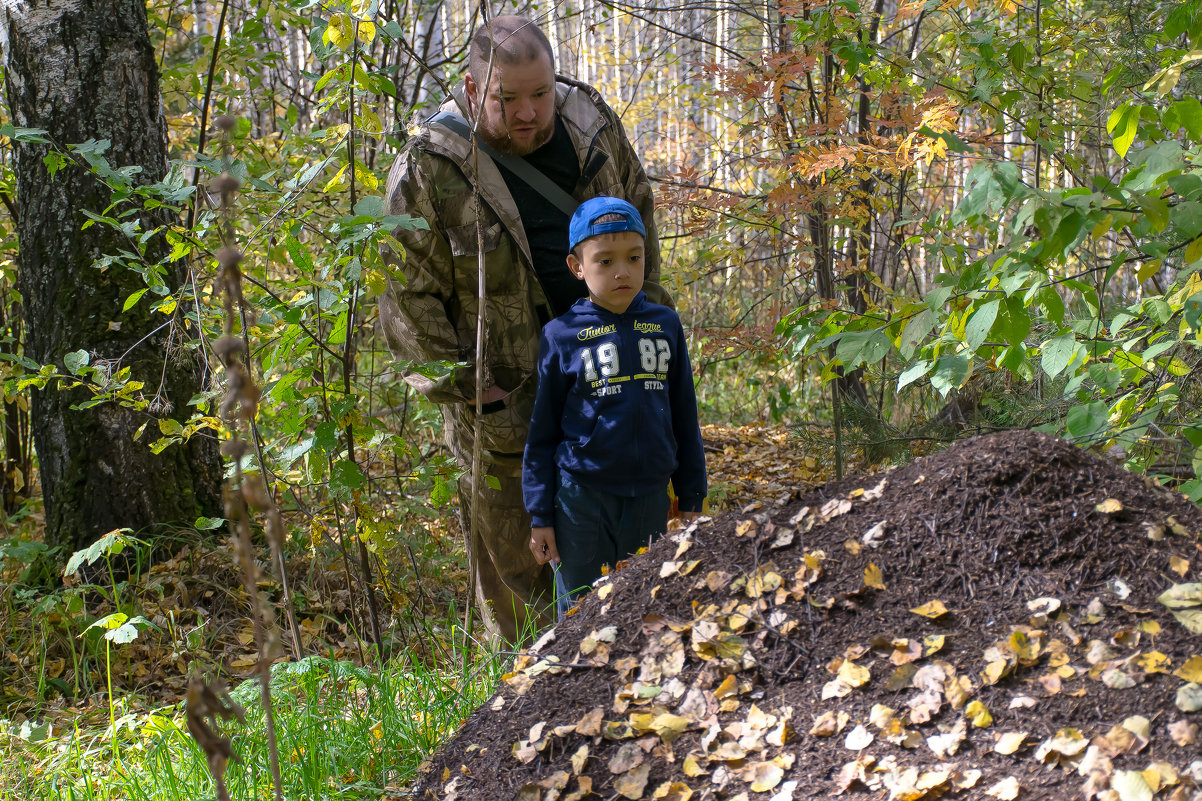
(429, 310)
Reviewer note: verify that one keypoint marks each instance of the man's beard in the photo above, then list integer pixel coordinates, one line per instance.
(501, 141)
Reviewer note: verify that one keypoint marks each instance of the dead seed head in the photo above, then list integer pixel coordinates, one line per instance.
(250, 400)
(225, 123)
(255, 494)
(227, 348)
(160, 406)
(234, 448)
(224, 183)
(229, 258)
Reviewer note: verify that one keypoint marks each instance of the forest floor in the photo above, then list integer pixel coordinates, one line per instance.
(981, 623)
(197, 607)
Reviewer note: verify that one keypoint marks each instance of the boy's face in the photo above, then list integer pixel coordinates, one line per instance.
(612, 266)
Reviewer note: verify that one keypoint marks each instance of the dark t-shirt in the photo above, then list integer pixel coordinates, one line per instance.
(546, 225)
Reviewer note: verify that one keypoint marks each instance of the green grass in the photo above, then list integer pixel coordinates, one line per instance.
(344, 732)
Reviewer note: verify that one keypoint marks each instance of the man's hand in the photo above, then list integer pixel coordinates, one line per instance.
(490, 394)
(687, 516)
(494, 393)
(542, 544)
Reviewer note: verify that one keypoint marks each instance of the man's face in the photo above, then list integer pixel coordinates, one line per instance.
(517, 115)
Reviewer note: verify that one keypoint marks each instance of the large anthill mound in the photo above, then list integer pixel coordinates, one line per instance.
(981, 623)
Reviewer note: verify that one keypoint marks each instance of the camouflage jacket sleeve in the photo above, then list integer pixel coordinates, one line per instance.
(414, 307)
(638, 193)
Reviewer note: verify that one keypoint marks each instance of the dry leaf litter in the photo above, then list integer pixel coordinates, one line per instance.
(1013, 618)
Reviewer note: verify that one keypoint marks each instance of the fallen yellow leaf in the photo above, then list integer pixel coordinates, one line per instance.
(858, 738)
(1183, 733)
(978, 714)
(1131, 786)
(1010, 742)
(1006, 789)
(632, 783)
(579, 759)
(873, 577)
(764, 776)
(672, 791)
(852, 674)
(1153, 662)
(1191, 670)
(931, 609)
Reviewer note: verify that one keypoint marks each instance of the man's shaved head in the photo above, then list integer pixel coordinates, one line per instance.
(511, 40)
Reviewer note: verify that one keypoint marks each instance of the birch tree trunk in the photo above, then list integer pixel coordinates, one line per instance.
(85, 69)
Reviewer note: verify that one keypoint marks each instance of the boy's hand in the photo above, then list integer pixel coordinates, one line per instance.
(689, 515)
(542, 544)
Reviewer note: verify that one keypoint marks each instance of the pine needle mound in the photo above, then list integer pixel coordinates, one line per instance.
(982, 623)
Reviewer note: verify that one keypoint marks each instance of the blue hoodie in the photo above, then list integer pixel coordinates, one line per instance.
(615, 408)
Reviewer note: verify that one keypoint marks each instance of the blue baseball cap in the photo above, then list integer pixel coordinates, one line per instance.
(584, 223)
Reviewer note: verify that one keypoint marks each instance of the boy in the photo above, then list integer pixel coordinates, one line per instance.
(615, 415)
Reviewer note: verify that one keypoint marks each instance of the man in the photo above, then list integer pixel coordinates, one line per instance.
(472, 204)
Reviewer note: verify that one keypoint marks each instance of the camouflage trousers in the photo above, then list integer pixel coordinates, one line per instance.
(514, 593)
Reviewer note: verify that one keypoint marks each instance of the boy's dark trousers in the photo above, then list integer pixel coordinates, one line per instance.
(595, 528)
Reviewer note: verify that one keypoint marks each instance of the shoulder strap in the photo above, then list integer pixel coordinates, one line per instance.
(518, 166)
